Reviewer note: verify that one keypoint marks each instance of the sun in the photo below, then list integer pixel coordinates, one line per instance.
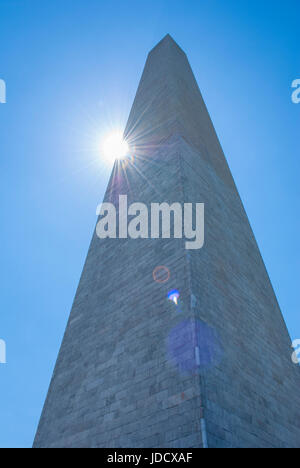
(114, 146)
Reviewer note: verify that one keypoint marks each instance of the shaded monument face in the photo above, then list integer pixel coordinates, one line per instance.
(168, 346)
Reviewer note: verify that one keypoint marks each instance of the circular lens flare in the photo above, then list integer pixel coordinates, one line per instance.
(161, 274)
(114, 146)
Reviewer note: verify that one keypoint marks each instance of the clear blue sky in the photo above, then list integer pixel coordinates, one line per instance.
(71, 68)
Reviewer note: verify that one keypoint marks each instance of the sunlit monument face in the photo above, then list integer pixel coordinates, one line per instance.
(114, 146)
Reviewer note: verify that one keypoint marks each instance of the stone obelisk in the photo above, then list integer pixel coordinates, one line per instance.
(135, 369)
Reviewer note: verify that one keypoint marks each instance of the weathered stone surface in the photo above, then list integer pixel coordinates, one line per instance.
(116, 383)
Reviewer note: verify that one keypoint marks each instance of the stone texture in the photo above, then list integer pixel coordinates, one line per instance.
(126, 374)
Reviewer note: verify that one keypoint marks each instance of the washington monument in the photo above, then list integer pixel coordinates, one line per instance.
(165, 346)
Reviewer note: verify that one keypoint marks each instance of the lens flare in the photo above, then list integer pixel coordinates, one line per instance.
(174, 296)
(114, 146)
(161, 274)
(194, 347)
